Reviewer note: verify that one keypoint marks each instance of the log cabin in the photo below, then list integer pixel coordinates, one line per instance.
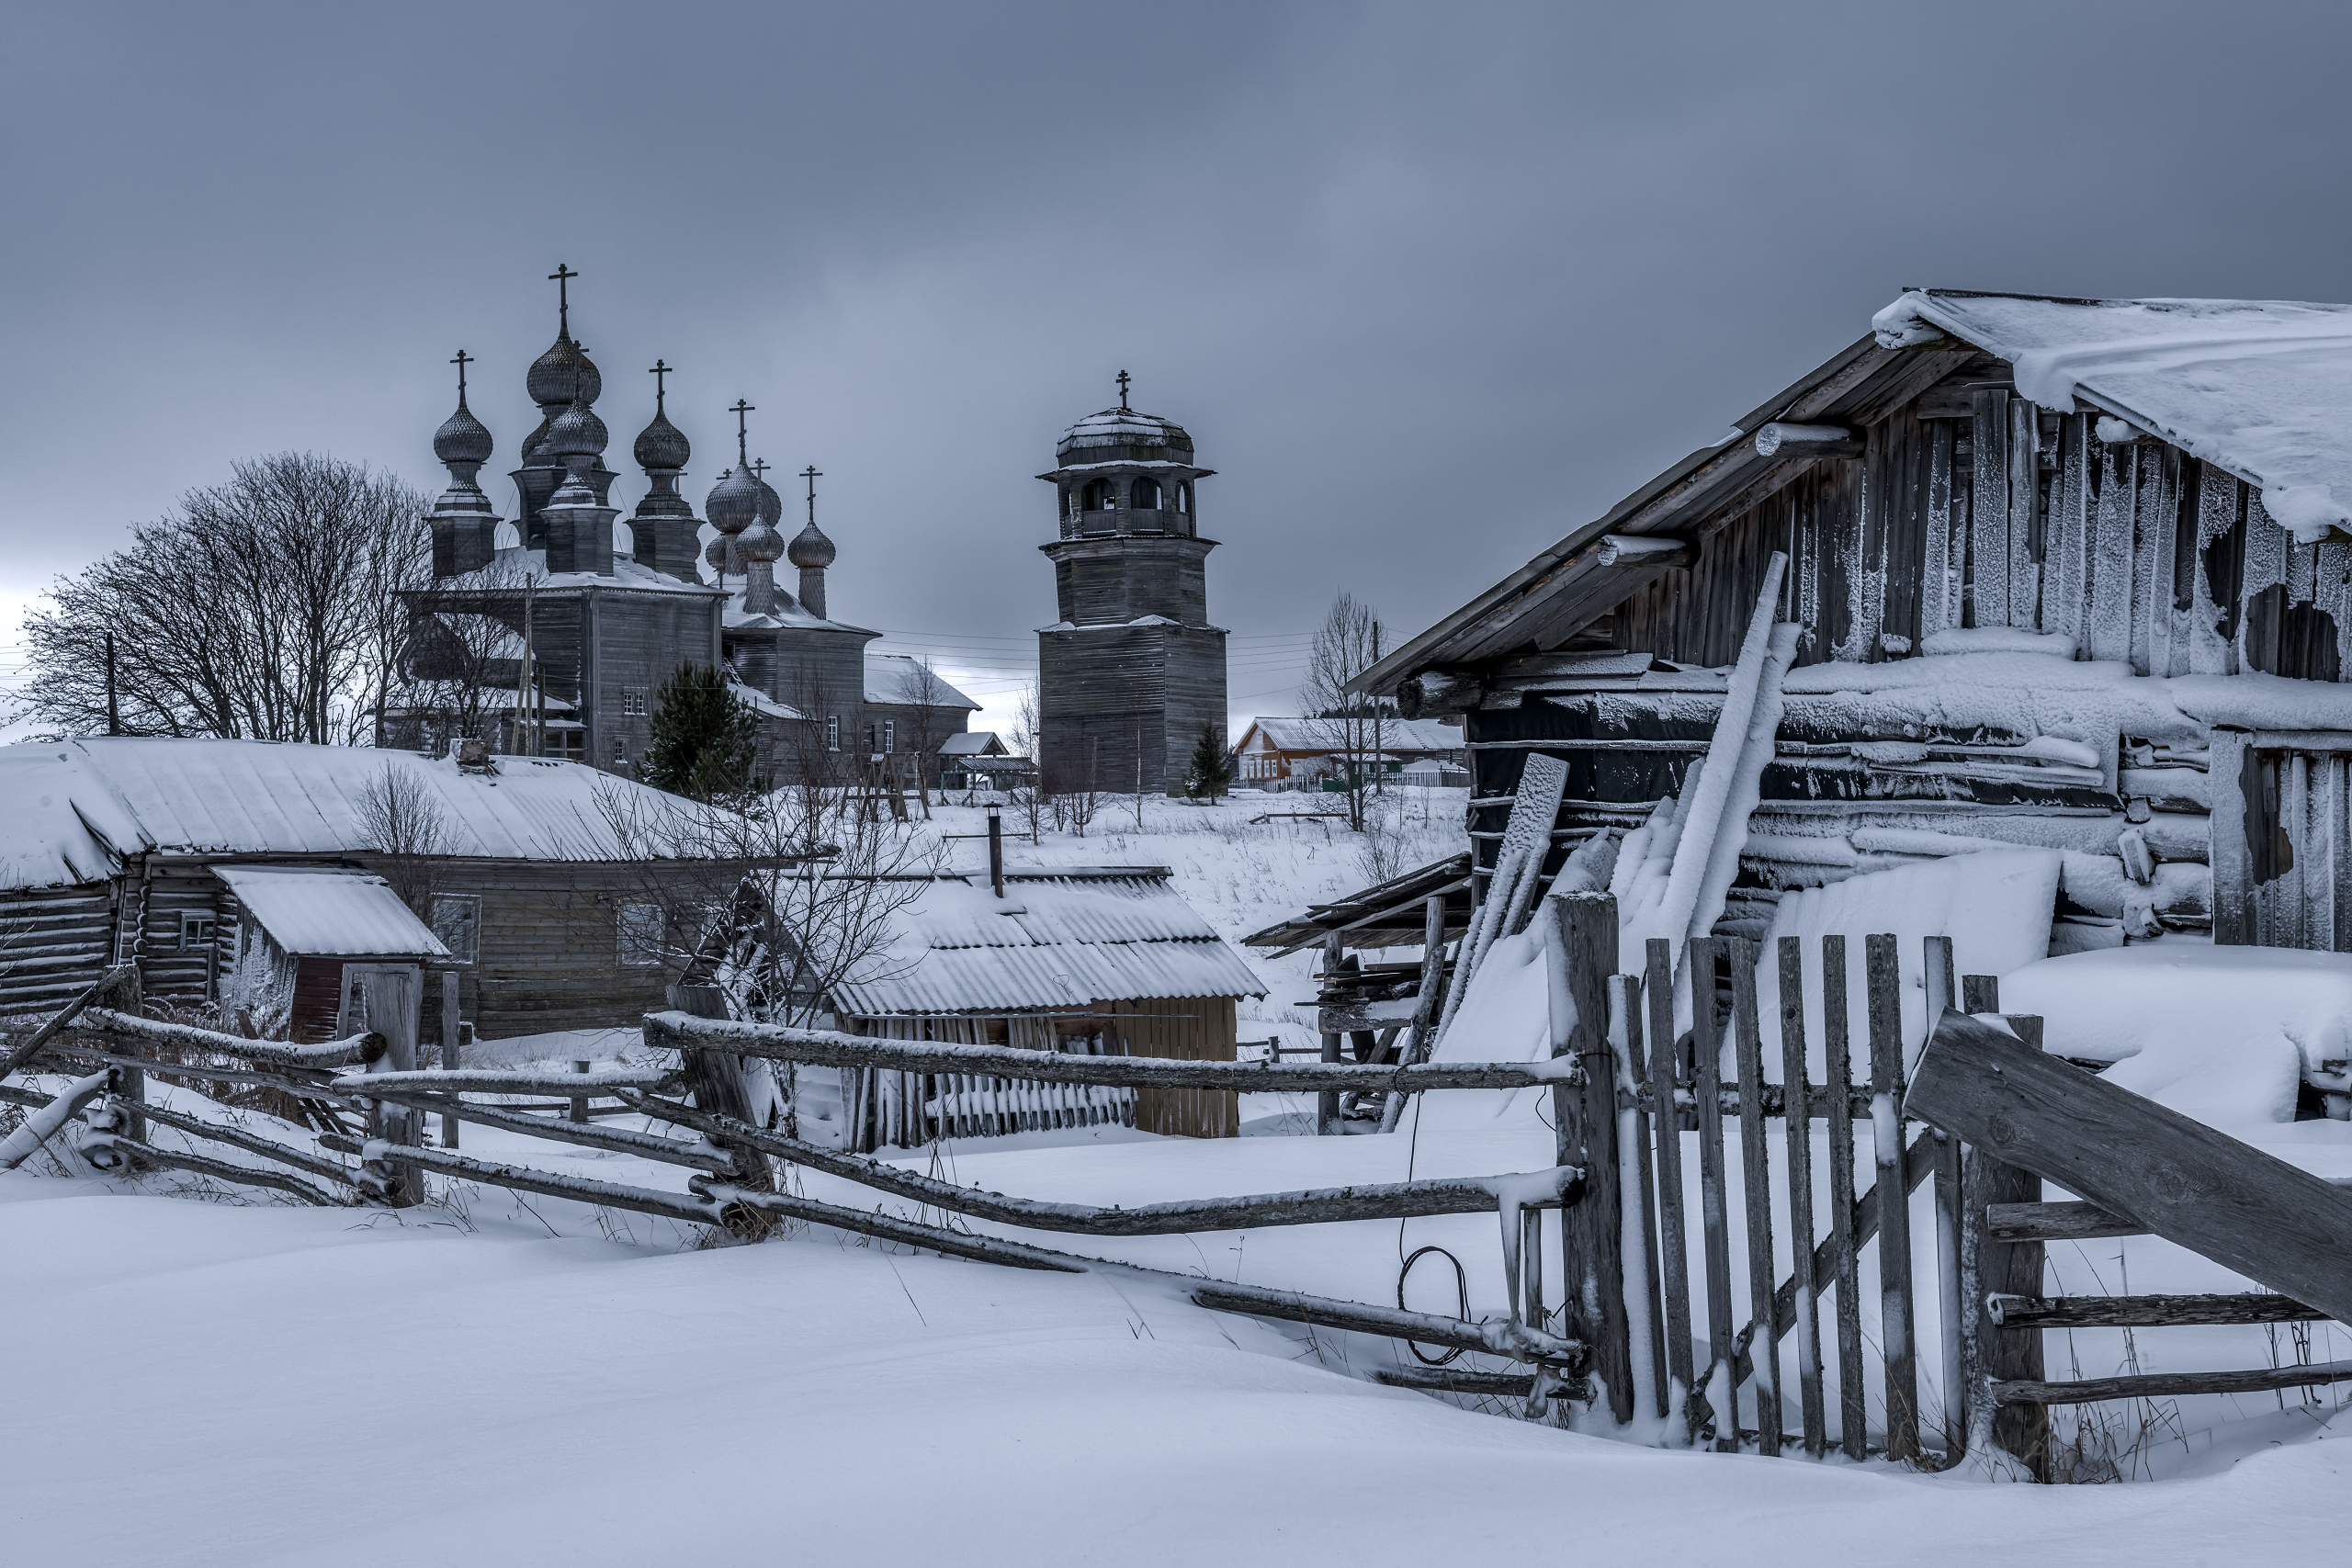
(135, 851)
(2069, 574)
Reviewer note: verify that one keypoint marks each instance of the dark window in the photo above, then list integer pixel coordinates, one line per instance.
(1098, 495)
(456, 920)
(1146, 495)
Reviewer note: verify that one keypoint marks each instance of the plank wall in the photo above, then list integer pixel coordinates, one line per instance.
(1193, 1028)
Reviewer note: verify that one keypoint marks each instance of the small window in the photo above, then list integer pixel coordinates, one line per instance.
(633, 701)
(834, 733)
(1147, 495)
(869, 740)
(196, 928)
(456, 920)
(641, 931)
(890, 736)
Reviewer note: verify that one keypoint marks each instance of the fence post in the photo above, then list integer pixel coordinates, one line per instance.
(1327, 1103)
(1591, 1228)
(2001, 1354)
(715, 1079)
(449, 1052)
(1954, 1290)
(127, 994)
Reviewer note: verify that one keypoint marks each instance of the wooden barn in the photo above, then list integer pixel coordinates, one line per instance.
(176, 855)
(301, 933)
(2067, 573)
(1097, 959)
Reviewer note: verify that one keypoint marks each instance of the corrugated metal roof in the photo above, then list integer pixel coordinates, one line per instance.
(323, 913)
(70, 810)
(1052, 942)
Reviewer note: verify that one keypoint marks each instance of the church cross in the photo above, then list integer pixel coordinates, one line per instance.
(561, 278)
(742, 437)
(812, 475)
(760, 469)
(1124, 379)
(463, 360)
(660, 373)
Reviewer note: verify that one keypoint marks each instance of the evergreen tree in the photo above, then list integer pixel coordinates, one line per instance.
(1210, 772)
(706, 742)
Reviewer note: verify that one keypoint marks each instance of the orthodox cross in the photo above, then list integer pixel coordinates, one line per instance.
(812, 475)
(760, 471)
(742, 437)
(1123, 393)
(561, 278)
(660, 373)
(463, 360)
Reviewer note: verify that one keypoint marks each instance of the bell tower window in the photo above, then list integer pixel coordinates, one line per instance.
(1147, 495)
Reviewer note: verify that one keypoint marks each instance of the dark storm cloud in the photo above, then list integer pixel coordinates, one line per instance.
(1430, 285)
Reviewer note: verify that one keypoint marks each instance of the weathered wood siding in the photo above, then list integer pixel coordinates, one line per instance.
(1193, 1028)
(54, 941)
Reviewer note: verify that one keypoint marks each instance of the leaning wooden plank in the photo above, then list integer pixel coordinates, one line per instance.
(24, 1049)
(2144, 1311)
(2173, 1385)
(2246, 1210)
(1845, 1261)
(1756, 1193)
(44, 1125)
(646, 1145)
(1498, 1337)
(292, 1080)
(2055, 1222)
(155, 1032)
(1804, 1302)
(489, 1080)
(1392, 1201)
(1894, 1219)
(825, 1048)
(220, 1170)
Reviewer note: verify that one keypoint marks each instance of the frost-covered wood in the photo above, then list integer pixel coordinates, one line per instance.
(44, 1125)
(1895, 1340)
(2243, 1208)
(24, 1049)
(827, 1048)
(2056, 1222)
(1494, 1336)
(1582, 944)
(141, 1153)
(1756, 1193)
(1314, 1206)
(238, 1138)
(492, 1080)
(617, 1140)
(2174, 1385)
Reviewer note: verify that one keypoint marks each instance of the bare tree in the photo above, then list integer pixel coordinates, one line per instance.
(929, 702)
(402, 818)
(267, 607)
(1027, 796)
(1353, 725)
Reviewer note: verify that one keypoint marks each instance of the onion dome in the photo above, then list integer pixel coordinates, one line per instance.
(564, 375)
(810, 549)
(663, 444)
(462, 438)
(715, 553)
(771, 508)
(1121, 435)
(576, 433)
(760, 542)
(734, 502)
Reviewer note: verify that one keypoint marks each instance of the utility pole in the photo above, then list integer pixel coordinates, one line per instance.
(114, 707)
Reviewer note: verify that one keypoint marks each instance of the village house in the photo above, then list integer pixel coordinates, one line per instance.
(1096, 960)
(2066, 573)
(253, 873)
(1274, 750)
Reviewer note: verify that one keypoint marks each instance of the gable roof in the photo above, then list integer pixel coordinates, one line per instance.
(2263, 388)
(973, 743)
(1057, 939)
(70, 810)
(887, 676)
(312, 911)
(1310, 735)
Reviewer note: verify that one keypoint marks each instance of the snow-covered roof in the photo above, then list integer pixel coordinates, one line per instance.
(1322, 735)
(312, 911)
(972, 743)
(891, 677)
(70, 810)
(2262, 388)
(508, 568)
(789, 612)
(1054, 941)
(761, 704)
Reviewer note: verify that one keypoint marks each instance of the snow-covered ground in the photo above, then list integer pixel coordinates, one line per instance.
(495, 1378)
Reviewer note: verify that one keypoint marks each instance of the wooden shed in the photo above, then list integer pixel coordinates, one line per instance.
(302, 927)
(2070, 574)
(1098, 960)
(128, 851)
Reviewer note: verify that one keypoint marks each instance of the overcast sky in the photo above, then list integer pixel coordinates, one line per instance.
(1430, 285)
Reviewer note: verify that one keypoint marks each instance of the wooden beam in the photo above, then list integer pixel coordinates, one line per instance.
(2173, 1385)
(1645, 550)
(1807, 440)
(2144, 1311)
(2246, 1210)
(2055, 1222)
